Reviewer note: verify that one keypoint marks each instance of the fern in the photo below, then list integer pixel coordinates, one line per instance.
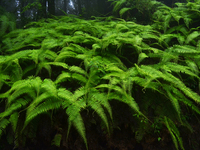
(174, 133)
(3, 124)
(71, 65)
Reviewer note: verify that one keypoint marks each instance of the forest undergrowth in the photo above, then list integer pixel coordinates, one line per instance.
(107, 72)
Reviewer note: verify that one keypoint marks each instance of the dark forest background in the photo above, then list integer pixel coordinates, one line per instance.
(33, 10)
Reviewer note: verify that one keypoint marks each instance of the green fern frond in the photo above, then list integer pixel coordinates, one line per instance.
(117, 4)
(14, 107)
(62, 77)
(192, 36)
(77, 70)
(3, 79)
(186, 49)
(79, 77)
(60, 64)
(77, 121)
(75, 118)
(64, 55)
(41, 108)
(166, 22)
(13, 120)
(66, 96)
(175, 103)
(57, 140)
(185, 100)
(179, 69)
(193, 66)
(95, 104)
(174, 133)
(49, 86)
(3, 124)
(123, 10)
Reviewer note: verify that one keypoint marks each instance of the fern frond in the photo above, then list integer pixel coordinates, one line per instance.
(3, 124)
(175, 103)
(117, 4)
(77, 70)
(77, 121)
(79, 77)
(123, 10)
(56, 140)
(14, 120)
(75, 118)
(41, 108)
(185, 50)
(174, 133)
(192, 36)
(14, 107)
(95, 104)
(62, 77)
(179, 69)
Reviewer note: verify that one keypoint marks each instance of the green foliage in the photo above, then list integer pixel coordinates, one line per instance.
(72, 65)
(130, 8)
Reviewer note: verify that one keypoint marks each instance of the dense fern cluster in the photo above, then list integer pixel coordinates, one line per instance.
(71, 65)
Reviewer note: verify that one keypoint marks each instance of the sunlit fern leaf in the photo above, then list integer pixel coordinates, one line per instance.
(90, 39)
(180, 85)
(77, 121)
(14, 107)
(185, 100)
(49, 43)
(117, 4)
(96, 46)
(44, 107)
(43, 65)
(15, 56)
(48, 54)
(186, 49)
(78, 48)
(184, 30)
(13, 120)
(176, 17)
(187, 21)
(40, 98)
(50, 87)
(29, 87)
(63, 77)
(192, 36)
(64, 55)
(181, 39)
(3, 79)
(78, 70)
(166, 22)
(193, 66)
(79, 77)
(75, 118)
(66, 96)
(123, 10)
(174, 133)
(19, 92)
(60, 64)
(96, 106)
(179, 68)
(152, 72)
(141, 57)
(79, 93)
(3, 124)
(122, 28)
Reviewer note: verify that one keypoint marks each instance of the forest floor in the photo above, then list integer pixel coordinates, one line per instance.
(122, 139)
